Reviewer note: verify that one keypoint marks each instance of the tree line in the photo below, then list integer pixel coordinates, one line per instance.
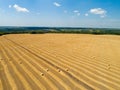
(95, 31)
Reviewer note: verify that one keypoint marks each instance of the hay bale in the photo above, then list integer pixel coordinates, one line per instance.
(58, 70)
(42, 74)
(66, 69)
(20, 62)
(47, 70)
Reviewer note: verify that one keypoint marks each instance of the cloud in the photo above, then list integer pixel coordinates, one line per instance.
(2, 10)
(56, 4)
(9, 6)
(38, 13)
(76, 11)
(78, 14)
(86, 14)
(20, 9)
(98, 11)
(65, 11)
(102, 16)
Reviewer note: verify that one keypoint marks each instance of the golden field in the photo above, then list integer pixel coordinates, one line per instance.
(59, 62)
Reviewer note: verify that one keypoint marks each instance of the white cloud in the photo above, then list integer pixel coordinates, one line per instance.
(102, 16)
(65, 11)
(2, 10)
(9, 6)
(56, 4)
(20, 9)
(86, 14)
(78, 14)
(98, 11)
(38, 13)
(76, 11)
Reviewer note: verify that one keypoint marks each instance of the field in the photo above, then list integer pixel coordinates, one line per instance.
(59, 62)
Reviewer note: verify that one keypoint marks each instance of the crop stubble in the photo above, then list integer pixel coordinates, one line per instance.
(59, 62)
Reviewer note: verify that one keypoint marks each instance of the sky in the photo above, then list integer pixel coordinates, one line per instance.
(60, 13)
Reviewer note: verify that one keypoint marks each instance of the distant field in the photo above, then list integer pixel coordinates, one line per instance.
(59, 62)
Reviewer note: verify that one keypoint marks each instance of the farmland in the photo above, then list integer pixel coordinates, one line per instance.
(59, 62)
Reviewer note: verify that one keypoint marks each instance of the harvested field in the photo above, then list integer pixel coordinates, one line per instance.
(59, 62)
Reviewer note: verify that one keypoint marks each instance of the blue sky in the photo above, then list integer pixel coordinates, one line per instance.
(66, 13)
